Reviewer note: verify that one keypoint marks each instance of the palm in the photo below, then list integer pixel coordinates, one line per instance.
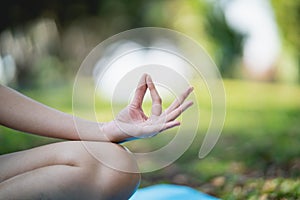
(132, 115)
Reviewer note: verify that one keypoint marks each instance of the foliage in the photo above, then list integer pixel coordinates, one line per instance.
(288, 14)
(73, 29)
(228, 42)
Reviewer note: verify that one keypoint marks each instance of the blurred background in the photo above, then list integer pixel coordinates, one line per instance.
(255, 44)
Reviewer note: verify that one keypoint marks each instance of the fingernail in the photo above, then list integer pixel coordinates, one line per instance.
(190, 89)
(149, 78)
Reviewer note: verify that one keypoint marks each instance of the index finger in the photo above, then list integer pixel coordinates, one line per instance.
(140, 92)
(156, 99)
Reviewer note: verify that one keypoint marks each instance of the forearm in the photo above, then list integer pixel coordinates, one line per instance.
(22, 113)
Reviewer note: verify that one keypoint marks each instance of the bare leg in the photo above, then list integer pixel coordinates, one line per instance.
(66, 170)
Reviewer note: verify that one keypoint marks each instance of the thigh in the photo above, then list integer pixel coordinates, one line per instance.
(50, 182)
(20, 162)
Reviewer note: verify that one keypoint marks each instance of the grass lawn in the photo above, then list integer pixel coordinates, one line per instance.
(256, 157)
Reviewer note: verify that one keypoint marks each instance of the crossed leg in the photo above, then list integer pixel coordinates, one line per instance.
(66, 170)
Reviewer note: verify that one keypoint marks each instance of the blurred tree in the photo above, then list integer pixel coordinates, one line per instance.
(82, 24)
(228, 42)
(30, 32)
(288, 15)
(17, 12)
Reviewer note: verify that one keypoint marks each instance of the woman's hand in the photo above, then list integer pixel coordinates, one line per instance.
(132, 123)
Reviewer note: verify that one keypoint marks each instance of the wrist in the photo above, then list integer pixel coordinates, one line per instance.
(113, 133)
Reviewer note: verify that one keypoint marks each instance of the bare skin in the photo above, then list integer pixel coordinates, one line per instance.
(68, 170)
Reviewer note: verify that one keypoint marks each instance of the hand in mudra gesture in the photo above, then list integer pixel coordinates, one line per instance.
(132, 122)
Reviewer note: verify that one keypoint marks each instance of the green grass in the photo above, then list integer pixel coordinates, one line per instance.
(257, 155)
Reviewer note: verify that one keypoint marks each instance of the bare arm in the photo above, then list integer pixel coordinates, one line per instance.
(22, 113)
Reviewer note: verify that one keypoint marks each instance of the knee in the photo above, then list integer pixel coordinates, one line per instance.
(119, 185)
(112, 171)
(118, 176)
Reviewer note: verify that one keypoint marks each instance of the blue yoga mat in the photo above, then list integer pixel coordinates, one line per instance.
(170, 192)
